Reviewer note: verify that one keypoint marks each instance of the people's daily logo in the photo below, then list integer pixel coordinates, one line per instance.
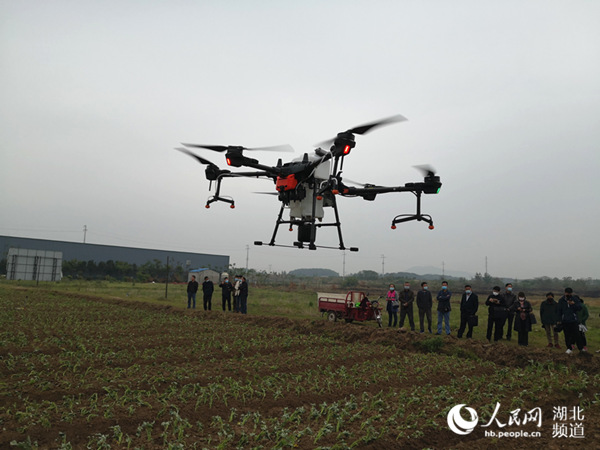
(460, 425)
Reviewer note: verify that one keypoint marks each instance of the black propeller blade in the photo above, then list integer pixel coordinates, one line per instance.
(364, 129)
(426, 170)
(200, 159)
(225, 148)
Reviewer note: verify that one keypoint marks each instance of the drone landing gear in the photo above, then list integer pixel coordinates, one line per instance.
(307, 232)
(418, 216)
(220, 199)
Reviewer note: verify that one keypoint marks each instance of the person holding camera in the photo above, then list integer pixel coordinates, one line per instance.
(522, 310)
(392, 305)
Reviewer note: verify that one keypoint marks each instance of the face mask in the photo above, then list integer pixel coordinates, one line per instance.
(444, 287)
(495, 293)
(407, 287)
(392, 289)
(509, 289)
(521, 299)
(468, 291)
(425, 287)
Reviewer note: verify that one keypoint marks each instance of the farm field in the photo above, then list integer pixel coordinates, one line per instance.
(83, 370)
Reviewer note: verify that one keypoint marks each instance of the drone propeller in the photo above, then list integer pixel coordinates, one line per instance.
(426, 170)
(364, 129)
(225, 148)
(200, 159)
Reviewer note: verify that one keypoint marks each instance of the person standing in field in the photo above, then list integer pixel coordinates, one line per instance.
(425, 304)
(549, 317)
(444, 308)
(192, 288)
(583, 315)
(243, 297)
(406, 298)
(469, 304)
(236, 293)
(207, 289)
(226, 288)
(568, 305)
(522, 309)
(392, 305)
(497, 314)
(509, 300)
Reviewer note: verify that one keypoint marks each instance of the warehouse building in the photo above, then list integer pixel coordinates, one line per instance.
(102, 253)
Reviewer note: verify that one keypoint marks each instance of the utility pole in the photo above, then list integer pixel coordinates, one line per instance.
(167, 282)
(344, 265)
(486, 266)
(443, 270)
(382, 265)
(84, 232)
(247, 254)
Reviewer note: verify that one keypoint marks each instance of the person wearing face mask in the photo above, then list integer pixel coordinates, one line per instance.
(522, 309)
(509, 300)
(469, 304)
(497, 314)
(568, 305)
(548, 317)
(226, 294)
(406, 298)
(392, 305)
(443, 308)
(424, 303)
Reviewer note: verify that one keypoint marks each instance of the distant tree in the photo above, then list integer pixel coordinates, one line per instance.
(367, 275)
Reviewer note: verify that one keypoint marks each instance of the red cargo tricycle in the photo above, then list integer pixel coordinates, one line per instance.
(351, 306)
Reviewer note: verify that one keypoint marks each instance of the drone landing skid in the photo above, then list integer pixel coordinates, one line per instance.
(418, 216)
(302, 245)
(220, 199)
(307, 231)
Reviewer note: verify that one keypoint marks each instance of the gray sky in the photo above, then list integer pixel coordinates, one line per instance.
(502, 97)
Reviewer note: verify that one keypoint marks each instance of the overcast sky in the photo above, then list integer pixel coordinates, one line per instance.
(502, 97)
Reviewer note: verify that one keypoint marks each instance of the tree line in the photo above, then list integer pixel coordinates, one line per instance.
(366, 280)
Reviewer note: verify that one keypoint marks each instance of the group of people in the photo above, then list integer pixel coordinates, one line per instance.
(568, 315)
(239, 291)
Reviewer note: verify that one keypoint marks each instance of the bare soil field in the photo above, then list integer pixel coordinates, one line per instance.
(78, 371)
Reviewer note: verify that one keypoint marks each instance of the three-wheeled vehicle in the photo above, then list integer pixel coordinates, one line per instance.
(351, 306)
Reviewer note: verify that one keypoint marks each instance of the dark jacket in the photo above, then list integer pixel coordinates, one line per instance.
(509, 300)
(497, 310)
(227, 288)
(406, 297)
(469, 307)
(244, 289)
(522, 317)
(549, 312)
(568, 313)
(424, 299)
(208, 287)
(443, 299)
(583, 314)
(192, 287)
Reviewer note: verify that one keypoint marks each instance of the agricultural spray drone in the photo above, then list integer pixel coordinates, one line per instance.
(307, 185)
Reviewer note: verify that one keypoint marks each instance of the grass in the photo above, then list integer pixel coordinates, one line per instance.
(301, 303)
